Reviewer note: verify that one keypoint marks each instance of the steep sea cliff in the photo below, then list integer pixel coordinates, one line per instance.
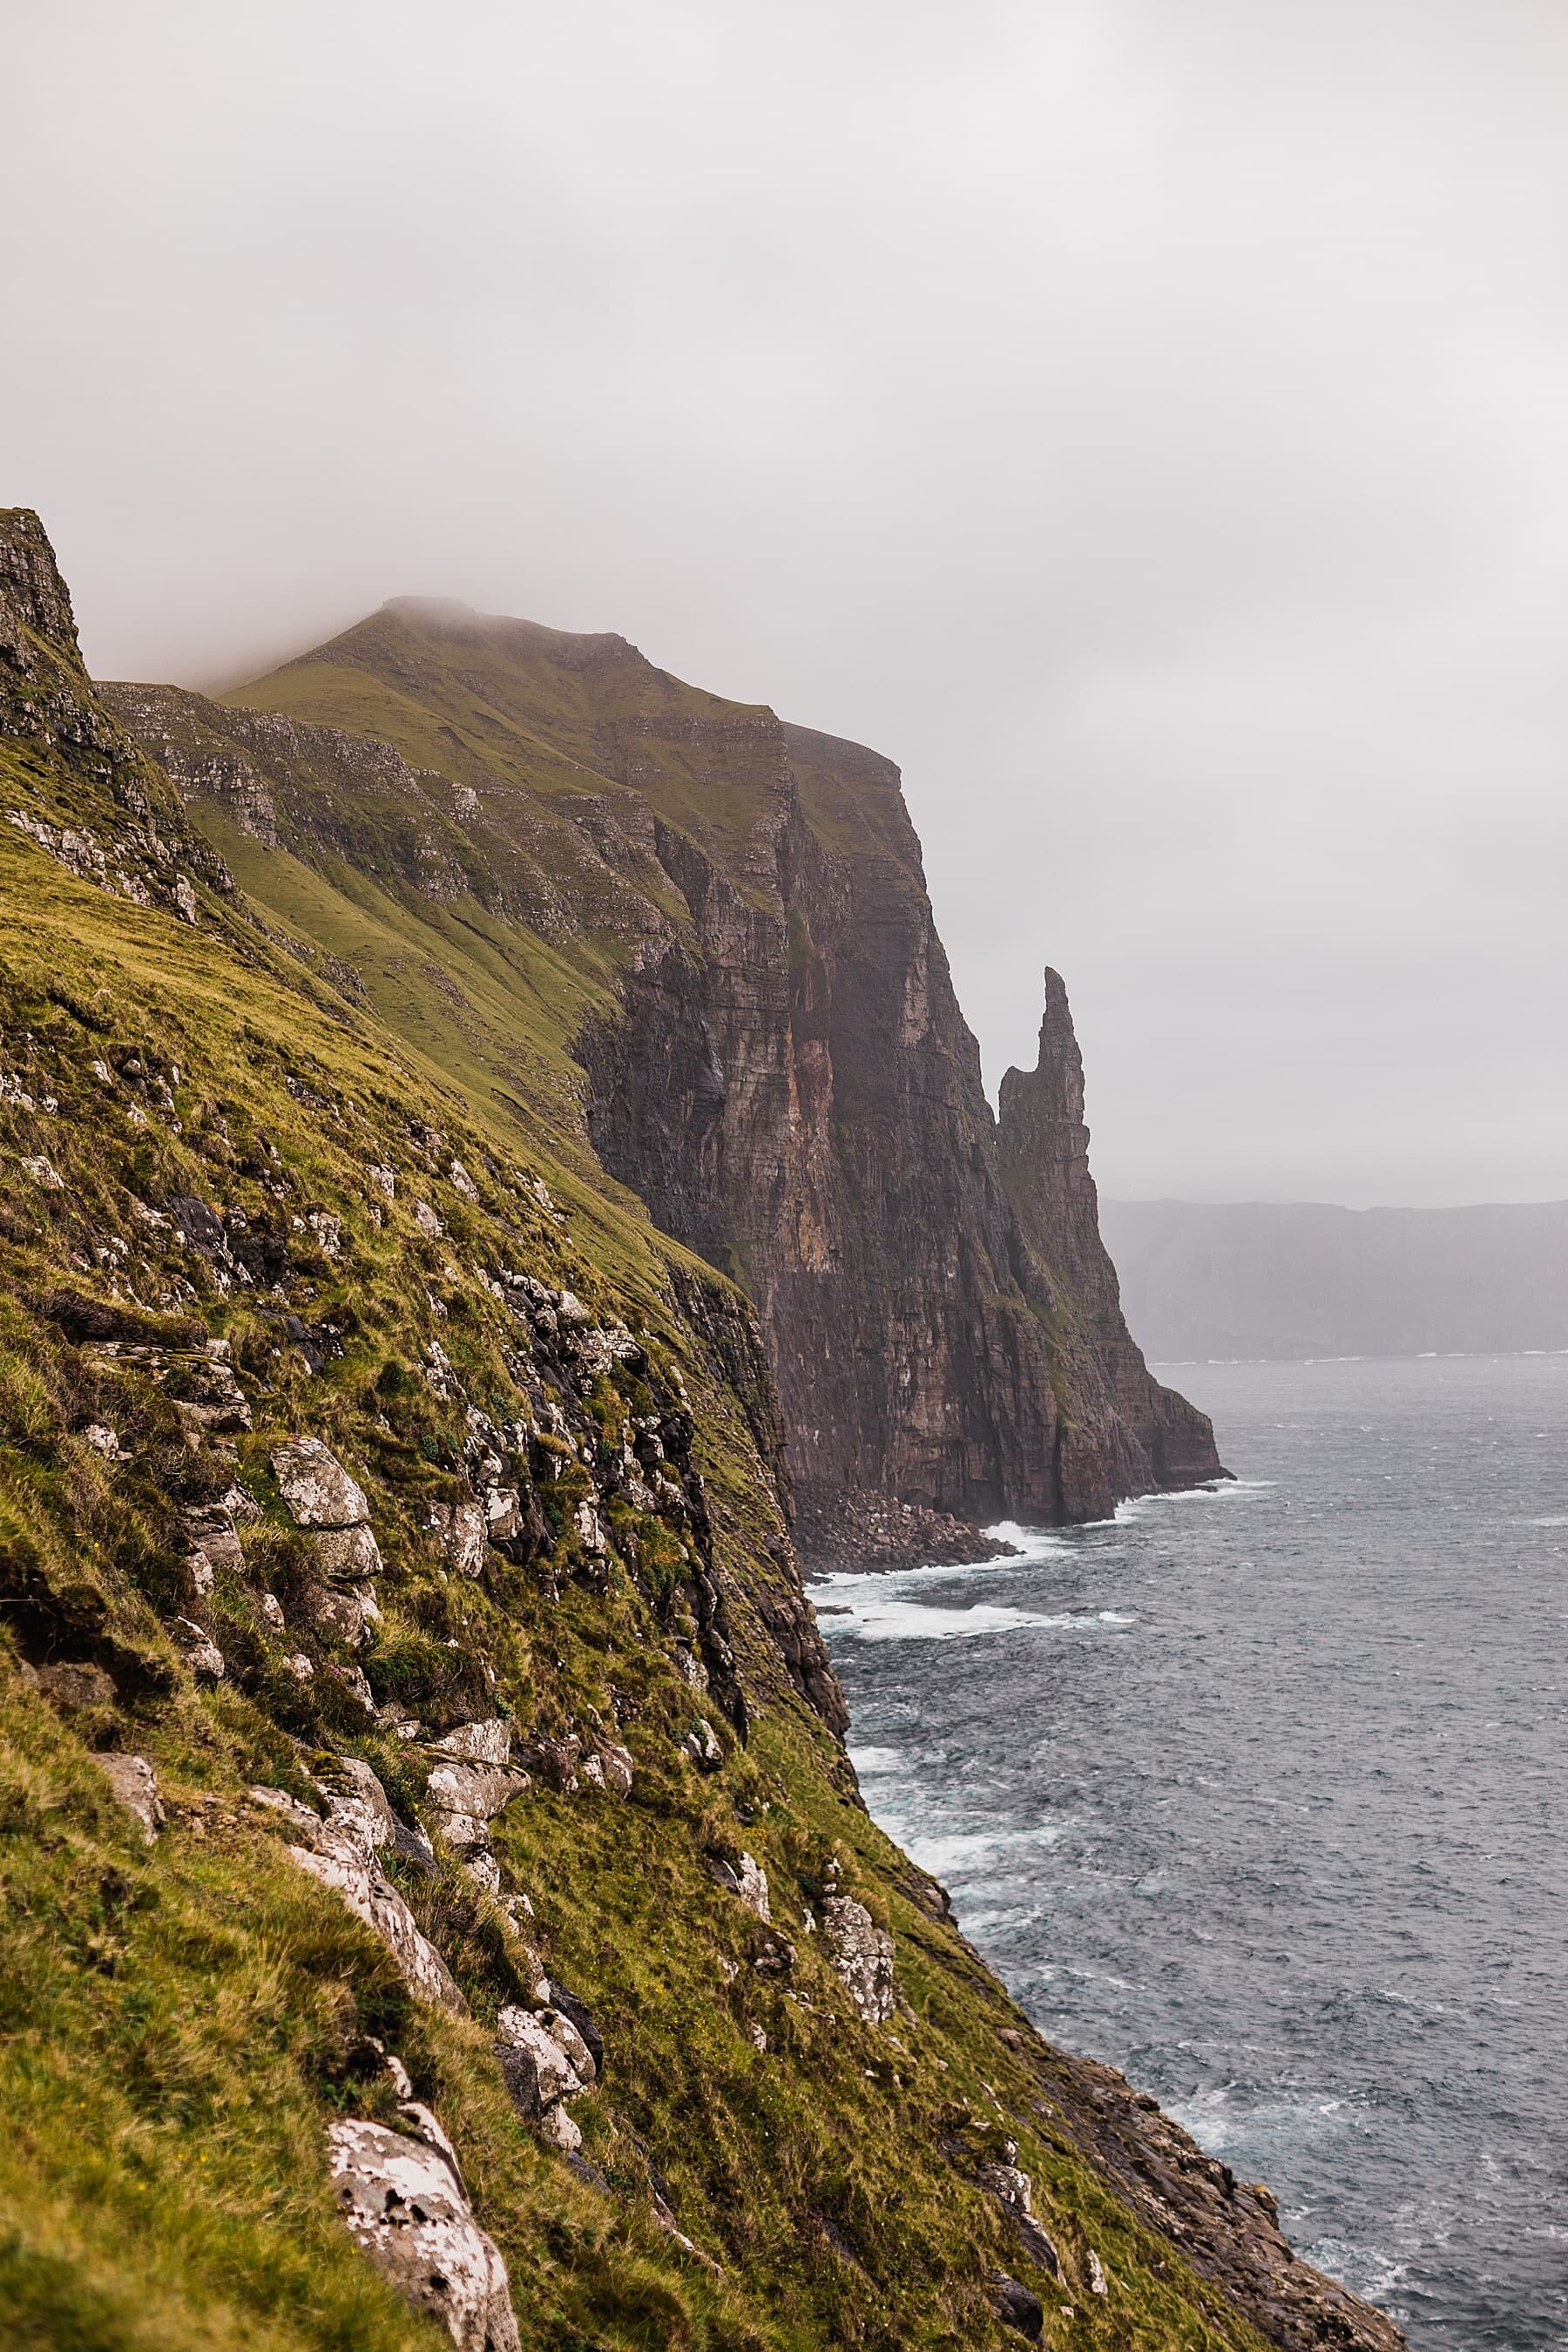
(776, 1063)
(437, 1903)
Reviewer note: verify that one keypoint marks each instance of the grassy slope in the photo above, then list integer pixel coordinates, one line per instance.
(476, 698)
(178, 2024)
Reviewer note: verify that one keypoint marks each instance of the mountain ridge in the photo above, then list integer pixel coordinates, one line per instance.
(775, 1060)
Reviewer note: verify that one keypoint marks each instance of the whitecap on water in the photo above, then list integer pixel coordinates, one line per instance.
(876, 1760)
(1028, 1543)
(959, 1855)
(843, 1582)
(873, 1619)
(1256, 2128)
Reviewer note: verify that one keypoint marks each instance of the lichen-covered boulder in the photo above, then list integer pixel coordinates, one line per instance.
(503, 1514)
(210, 1530)
(482, 1790)
(405, 2203)
(337, 1615)
(469, 1834)
(752, 1888)
(1013, 2191)
(355, 1797)
(744, 1877)
(318, 1490)
(203, 1656)
(478, 1743)
(461, 1529)
(543, 2058)
(346, 1555)
(862, 1953)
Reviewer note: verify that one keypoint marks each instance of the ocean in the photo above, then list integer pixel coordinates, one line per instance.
(1261, 1795)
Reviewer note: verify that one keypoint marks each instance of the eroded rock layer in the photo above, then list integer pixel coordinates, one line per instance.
(801, 1101)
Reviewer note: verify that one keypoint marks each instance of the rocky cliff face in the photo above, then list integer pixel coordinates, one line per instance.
(799, 1100)
(776, 1062)
(436, 1898)
(1152, 1437)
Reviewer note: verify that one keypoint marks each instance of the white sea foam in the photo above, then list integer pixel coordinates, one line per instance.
(1028, 1543)
(898, 1579)
(876, 1619)
(1371, 2271)
(961, 1854)
(1223, 2124)
(1138, 1507)
(877, 1759)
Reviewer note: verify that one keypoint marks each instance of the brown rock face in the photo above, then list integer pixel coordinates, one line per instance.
(799, 1100)
(1149, 1435)
(776, 1062)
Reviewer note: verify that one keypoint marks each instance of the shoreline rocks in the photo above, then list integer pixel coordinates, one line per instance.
(868, 1531)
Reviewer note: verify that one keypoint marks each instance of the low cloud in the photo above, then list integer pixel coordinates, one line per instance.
(1141, 419)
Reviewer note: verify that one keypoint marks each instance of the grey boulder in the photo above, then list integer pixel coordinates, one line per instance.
(477, 1743)
(134, 1784)
(1017, 2307)
(543, 2056)
(318, 1490)
(403, 2198)
(482, 1790)
(862, 1953)
(346, 1555)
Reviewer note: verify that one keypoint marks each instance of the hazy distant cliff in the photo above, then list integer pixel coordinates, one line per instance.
(1297, 1278)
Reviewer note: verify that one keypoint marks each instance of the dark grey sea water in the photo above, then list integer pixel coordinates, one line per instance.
(1262, 1796)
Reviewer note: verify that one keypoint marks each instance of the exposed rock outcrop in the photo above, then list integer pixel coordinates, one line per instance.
(134, 1784)
(546, 2060)
(797, 1096)
(863, 1955)
(1019, 2307)
(1129, 1432)
(342, 1851)
(403, 2200)
(1226, 2228)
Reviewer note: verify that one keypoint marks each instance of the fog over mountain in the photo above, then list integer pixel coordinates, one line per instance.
(1141, 418)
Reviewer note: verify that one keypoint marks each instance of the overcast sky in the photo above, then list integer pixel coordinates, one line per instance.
(1146, 420)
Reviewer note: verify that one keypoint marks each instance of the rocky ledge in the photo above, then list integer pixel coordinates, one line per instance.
(878, 1532)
